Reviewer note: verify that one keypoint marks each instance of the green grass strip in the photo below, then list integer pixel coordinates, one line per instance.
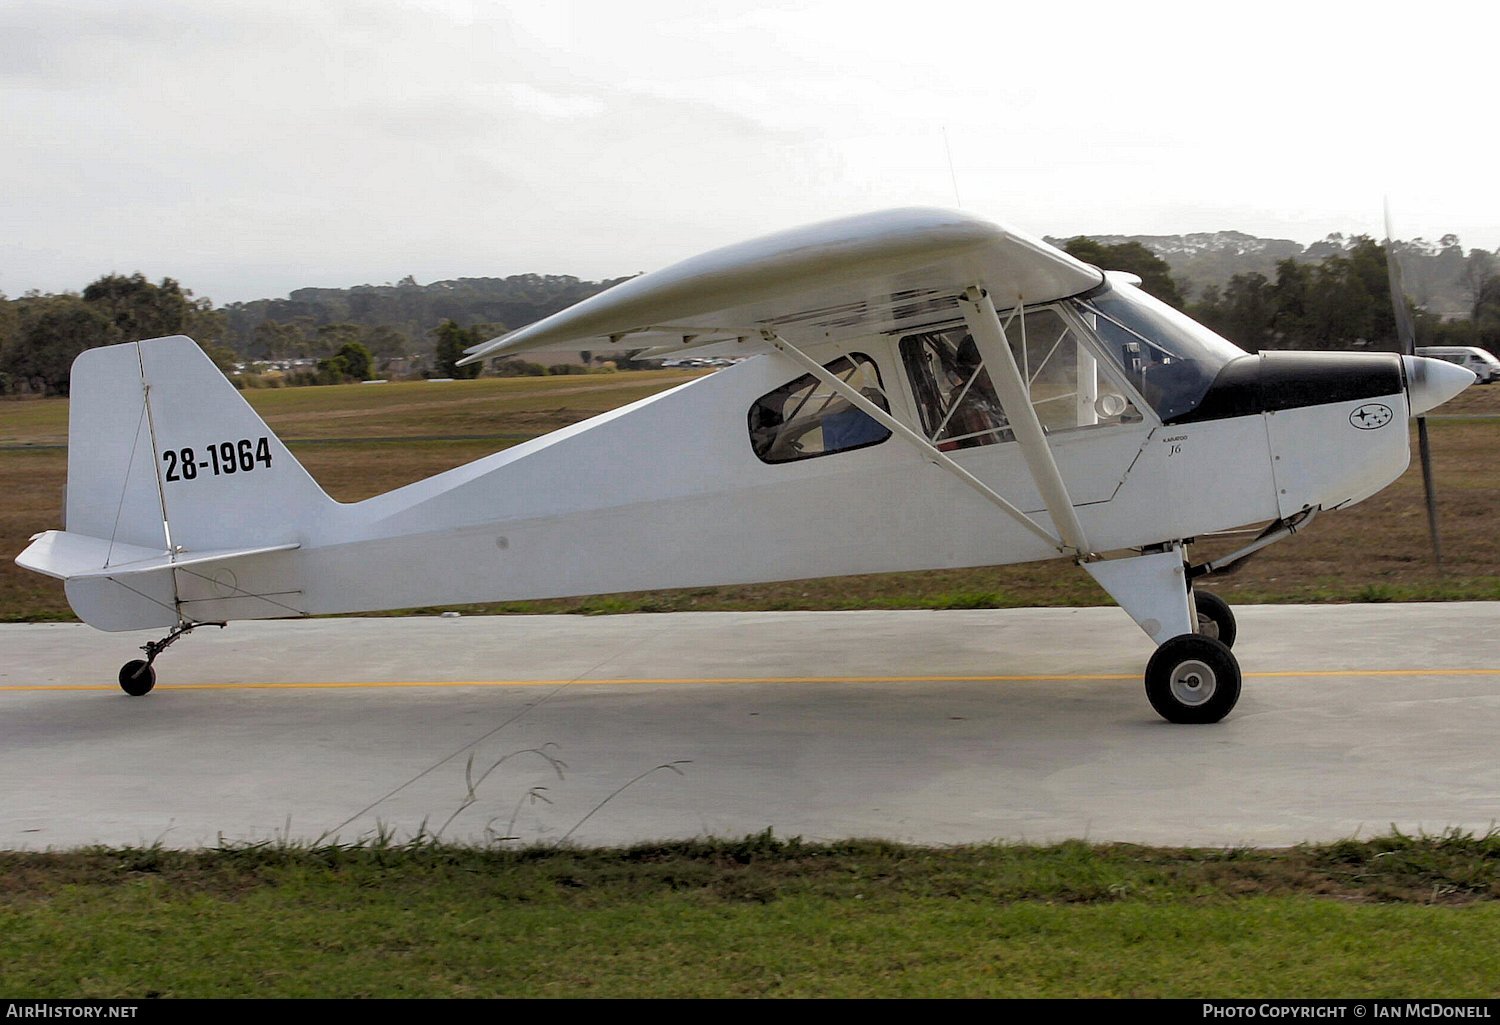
(1393, 917)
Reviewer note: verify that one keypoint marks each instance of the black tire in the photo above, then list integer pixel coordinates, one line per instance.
(137, 677)
(1193, 679)
(1215, 618)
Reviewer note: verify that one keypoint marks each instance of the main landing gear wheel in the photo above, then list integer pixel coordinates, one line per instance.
(137, 677)
(1215, 619)
(1193, 679)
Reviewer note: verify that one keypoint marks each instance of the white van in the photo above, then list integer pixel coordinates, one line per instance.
(1484, 364)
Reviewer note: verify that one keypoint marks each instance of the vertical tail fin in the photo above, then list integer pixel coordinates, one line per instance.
(164, 452)
(167, 465)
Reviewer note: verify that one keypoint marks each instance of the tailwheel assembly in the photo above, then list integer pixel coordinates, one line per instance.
(138, 676)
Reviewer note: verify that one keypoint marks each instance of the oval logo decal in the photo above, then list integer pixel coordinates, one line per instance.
(1371, 415)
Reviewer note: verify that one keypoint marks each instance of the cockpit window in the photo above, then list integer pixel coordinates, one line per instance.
(1068, 388)
(1170, 358)
(806, 418)
(1063, 378)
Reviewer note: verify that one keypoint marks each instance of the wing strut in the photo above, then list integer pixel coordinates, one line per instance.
(1015, 399)
(905, 433)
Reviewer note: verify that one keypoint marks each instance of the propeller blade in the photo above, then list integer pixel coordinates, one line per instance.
(1406, 335)
(1406, 332)
(1432, 521)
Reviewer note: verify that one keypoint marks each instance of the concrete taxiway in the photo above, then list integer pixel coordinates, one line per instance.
(929, 727)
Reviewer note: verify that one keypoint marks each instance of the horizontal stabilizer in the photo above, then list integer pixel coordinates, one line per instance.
(58, 553)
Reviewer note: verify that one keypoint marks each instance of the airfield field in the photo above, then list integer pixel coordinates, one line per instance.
(361, 440)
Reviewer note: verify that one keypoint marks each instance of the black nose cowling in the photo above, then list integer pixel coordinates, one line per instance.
(1271, 381)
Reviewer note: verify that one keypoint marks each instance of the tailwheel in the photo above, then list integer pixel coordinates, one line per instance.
(1215, 618)
(1193, 678)
(137, 677)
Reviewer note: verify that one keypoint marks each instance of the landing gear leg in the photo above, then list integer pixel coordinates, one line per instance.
(137, 676)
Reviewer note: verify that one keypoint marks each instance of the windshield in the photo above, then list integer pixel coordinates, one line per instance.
(1168, 356)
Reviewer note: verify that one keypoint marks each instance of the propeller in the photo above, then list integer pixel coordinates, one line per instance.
(1416, 369)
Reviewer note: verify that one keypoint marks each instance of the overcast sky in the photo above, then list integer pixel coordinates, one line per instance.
(247, 149)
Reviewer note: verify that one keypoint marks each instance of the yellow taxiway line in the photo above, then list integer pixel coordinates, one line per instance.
(706, 681)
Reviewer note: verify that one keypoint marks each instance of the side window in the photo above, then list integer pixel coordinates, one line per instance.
(1063, 378)
(954, 396)
(957, 402)
(806, 418)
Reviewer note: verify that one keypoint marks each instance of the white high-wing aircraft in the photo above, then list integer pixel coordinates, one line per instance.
(929, 390)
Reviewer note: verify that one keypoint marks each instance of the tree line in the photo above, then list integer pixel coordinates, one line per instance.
(332, 334)
(1340, 301)
(1343, 301)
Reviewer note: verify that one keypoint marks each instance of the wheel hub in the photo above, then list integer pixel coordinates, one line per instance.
(1193, 682)
(1207, 627)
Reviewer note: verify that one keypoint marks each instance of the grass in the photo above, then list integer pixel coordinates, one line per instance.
(360, 441)
(1394, 917)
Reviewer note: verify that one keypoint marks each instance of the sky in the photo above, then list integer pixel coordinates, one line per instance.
(248, 149)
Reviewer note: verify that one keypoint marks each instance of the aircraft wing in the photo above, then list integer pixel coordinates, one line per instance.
(873, 272)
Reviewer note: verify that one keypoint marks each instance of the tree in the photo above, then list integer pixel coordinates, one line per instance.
(10, 337)
(139, 309)
(452, 340)
(224, 358)
(54, 330)
(1290, 326)
(275, 340)
(204, 324)
(1478, 268)
(358, 362)
(1249, 311)
(351, 363)
(333, 337)
(1487, 316)
(1338, 307)
(1133, 258)
(386, 342)
(1371, 267)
